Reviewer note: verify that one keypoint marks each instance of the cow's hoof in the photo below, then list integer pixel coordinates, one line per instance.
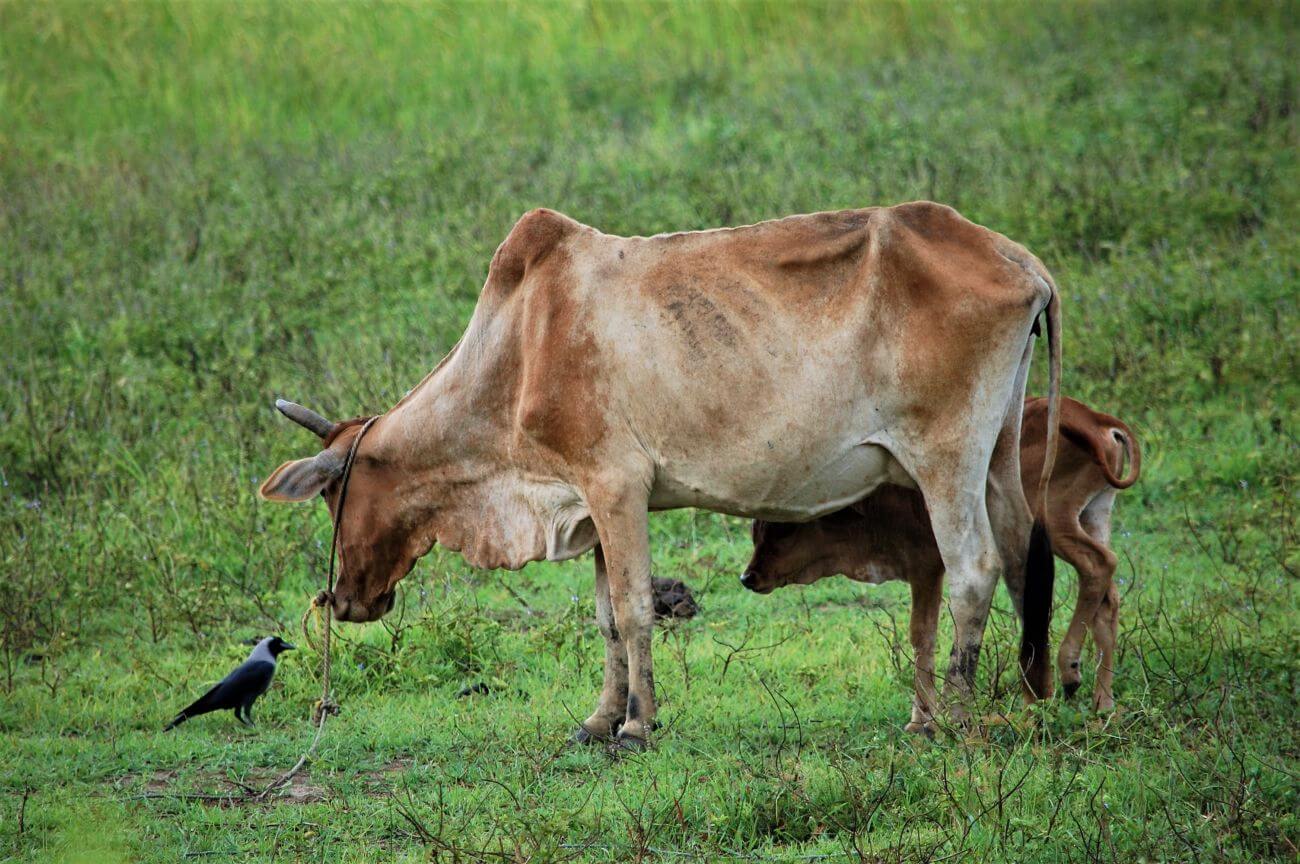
(1069, 688)
(628, 744)
(585, 737)
(582, 737)
(926, 729)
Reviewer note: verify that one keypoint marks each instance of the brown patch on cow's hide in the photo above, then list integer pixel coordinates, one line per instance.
(673, 599)
(945, 283)
(559, 405)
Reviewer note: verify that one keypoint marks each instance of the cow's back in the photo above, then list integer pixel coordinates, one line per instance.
(751, 366)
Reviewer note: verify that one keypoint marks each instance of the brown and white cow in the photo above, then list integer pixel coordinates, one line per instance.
(887, 537)
(779, 371)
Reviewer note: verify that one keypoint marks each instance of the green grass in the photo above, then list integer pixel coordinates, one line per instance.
(204, 206)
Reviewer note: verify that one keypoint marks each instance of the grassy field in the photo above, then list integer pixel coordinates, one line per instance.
(204, 206)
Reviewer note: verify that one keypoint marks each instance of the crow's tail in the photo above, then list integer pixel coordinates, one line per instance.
(199, 706)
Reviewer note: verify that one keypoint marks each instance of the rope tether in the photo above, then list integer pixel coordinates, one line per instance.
(322, 604)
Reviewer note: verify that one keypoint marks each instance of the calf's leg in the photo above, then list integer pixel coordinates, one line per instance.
(1105, 629)
(1096, 566)
(1104, 625)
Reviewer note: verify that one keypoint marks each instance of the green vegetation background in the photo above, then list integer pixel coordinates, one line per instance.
(206, 205)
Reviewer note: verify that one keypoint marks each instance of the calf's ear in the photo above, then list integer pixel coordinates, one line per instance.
(302, 478)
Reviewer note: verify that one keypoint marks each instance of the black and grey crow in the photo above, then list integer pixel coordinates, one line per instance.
(240, 689)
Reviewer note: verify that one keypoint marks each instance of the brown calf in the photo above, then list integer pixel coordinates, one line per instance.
(887, 536)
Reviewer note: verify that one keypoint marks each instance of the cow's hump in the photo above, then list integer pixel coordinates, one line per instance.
(534, 238)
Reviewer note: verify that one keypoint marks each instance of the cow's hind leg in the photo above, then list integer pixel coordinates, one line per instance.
(604, 723)
(1008, 510)
(927, 597)
(954, 494)
(621, 522)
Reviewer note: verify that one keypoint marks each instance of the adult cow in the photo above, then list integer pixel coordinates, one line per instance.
(779, 371)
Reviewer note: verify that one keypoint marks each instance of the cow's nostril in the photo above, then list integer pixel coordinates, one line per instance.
(749, 579)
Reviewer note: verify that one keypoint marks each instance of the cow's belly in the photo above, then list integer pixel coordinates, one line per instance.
(778, 488)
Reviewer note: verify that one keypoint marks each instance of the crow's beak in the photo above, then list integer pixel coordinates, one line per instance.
(288, 647)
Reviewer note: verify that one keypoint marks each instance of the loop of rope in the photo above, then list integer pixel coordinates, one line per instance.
(323, 605)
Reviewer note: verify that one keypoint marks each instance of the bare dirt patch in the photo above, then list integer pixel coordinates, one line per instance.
(217, 790)
(385, 774)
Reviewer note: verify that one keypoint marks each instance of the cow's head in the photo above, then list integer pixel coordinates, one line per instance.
(378, 539)
(787, 553)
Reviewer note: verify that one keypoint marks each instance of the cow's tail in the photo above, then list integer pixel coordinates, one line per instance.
(1040, 579)
(1053, 399)
(1040, 566)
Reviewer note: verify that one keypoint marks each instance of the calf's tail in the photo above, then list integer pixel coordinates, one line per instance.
(1132, 452)
(1040, 579)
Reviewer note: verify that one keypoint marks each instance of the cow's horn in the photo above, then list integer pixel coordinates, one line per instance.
(305, 417)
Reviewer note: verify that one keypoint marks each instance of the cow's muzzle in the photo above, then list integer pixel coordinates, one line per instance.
(353, 610)
(753, 580)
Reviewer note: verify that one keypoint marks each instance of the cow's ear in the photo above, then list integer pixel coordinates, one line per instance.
(302, 478)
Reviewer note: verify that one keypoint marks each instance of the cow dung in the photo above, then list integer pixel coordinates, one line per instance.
(673, 599)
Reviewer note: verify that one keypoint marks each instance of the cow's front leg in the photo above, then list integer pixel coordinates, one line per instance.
(972, 564)
(609, 714)
(927, 598)
(621, 522)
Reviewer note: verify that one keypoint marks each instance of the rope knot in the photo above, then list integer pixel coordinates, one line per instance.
(324, 708)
